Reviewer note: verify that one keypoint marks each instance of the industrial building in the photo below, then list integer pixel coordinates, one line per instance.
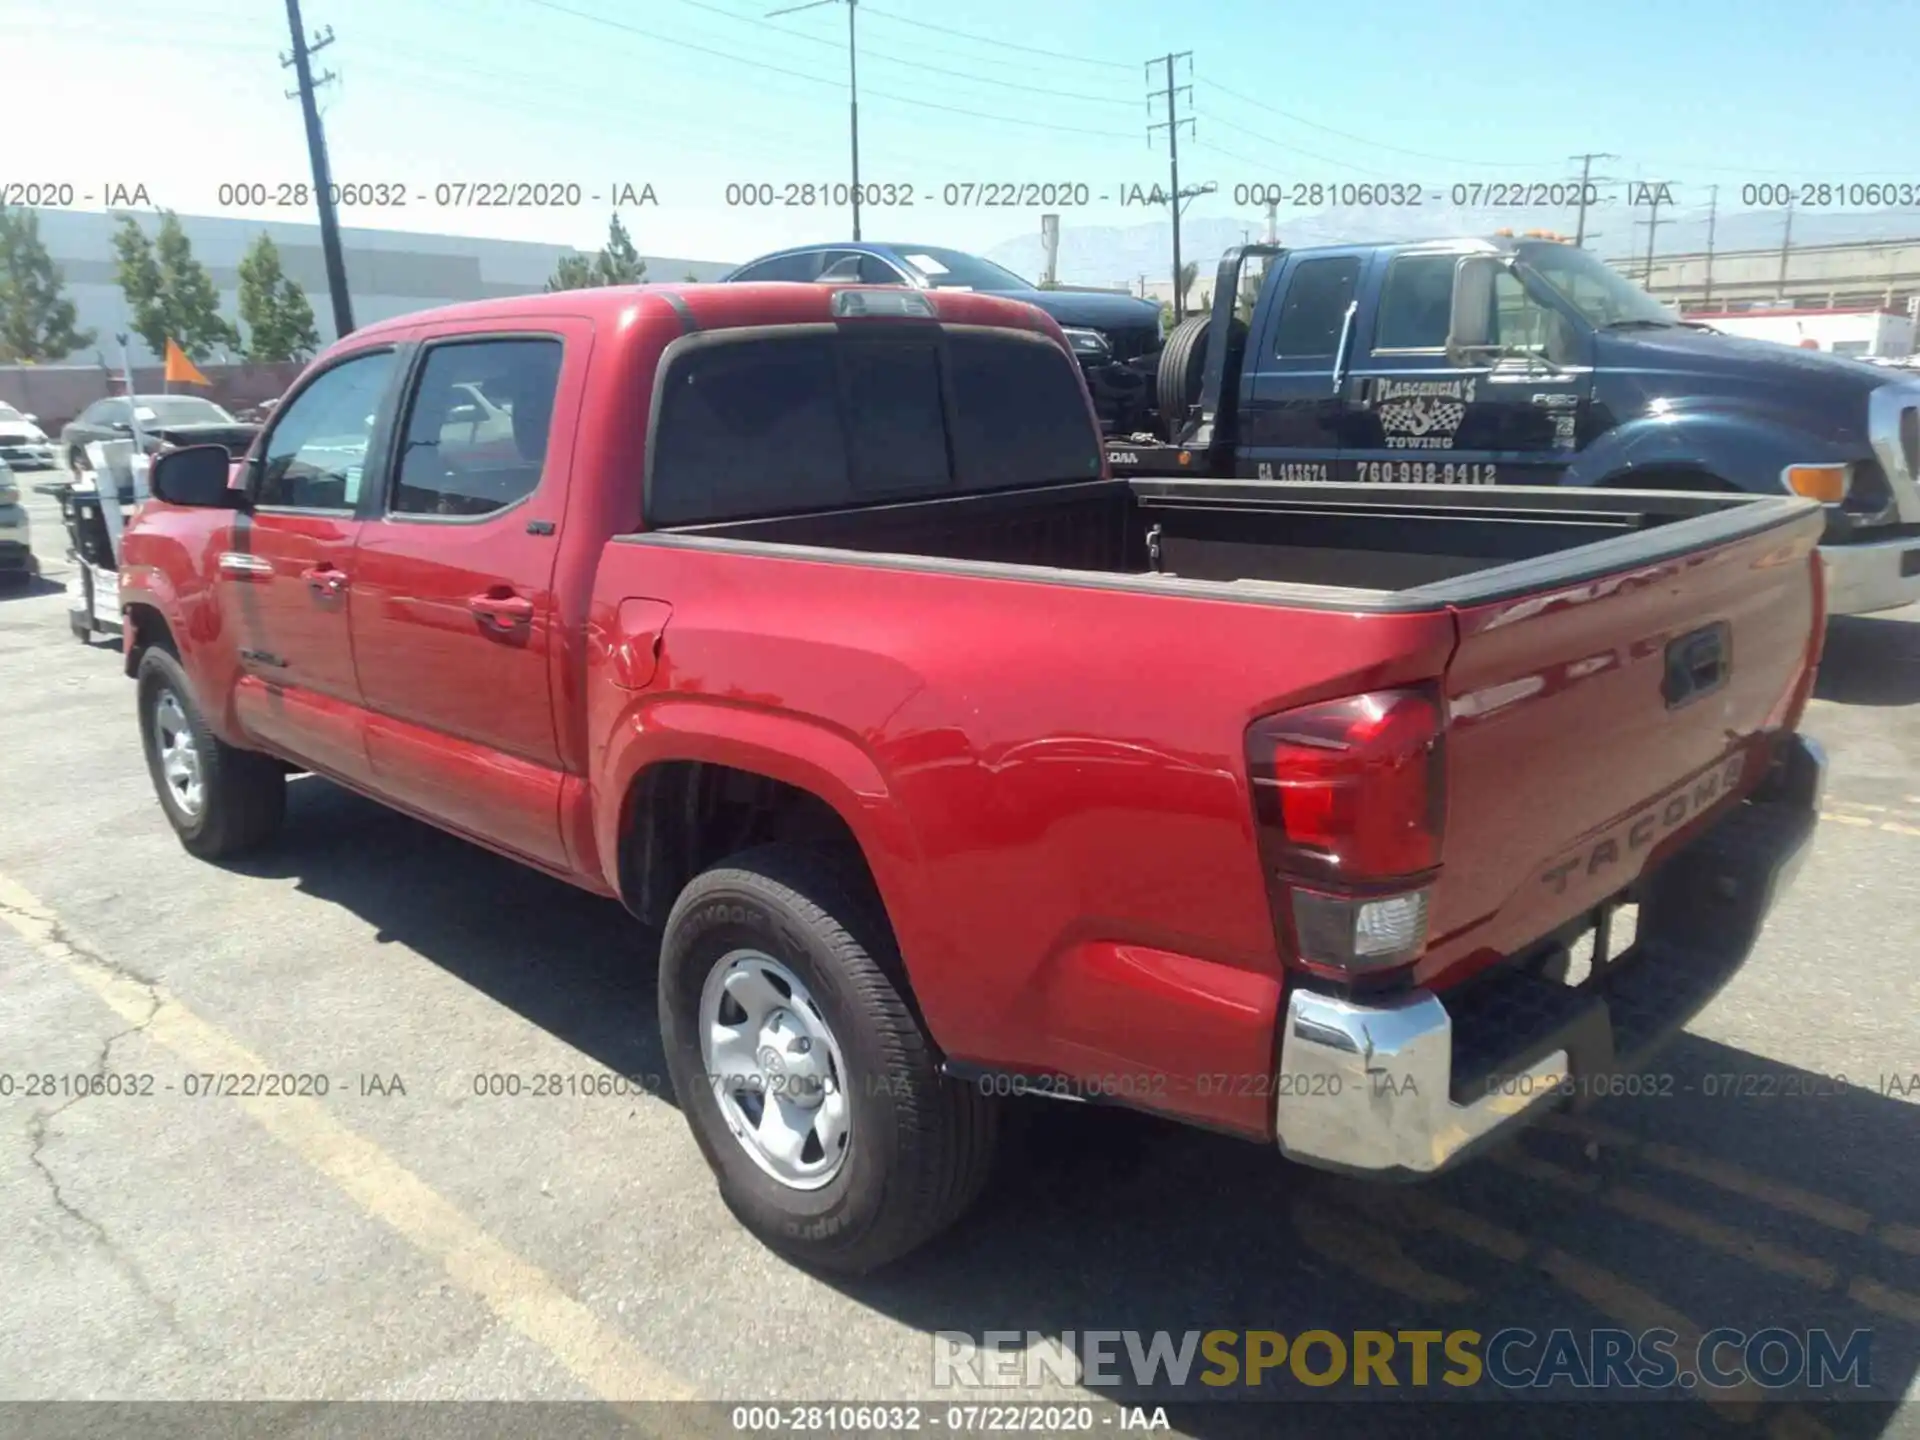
(1872, 275)
(389, 272)
(1880, 334)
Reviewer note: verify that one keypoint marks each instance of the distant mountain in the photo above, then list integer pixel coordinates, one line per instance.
(1118, 255)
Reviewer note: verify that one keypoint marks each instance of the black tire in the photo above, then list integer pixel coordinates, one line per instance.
(243, 793)
(1183, 368)
(922, 1144)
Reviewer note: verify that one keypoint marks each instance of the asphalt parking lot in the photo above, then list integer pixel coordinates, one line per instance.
(404, 1237)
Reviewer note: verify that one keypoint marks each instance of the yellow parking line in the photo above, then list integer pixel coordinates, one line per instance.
(1727, 1176)
(1821, 1274)
(1611, 1295)
(1900, 1237)
(515, 1289)
(1372, 1254)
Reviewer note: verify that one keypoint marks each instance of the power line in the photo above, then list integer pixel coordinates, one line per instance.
(1349, 135)
(1586, 178)
(873, 54)
(621, 25)
(1290, 149)
(1003, 44)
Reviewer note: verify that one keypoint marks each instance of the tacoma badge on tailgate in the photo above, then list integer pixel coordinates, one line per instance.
(1654, 823)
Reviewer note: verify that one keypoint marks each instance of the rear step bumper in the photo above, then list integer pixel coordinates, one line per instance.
(1406, 1086)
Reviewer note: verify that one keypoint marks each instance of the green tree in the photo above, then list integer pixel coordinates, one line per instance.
(574, 272)
(278, 316)
(36, 319)
(169, 294)
(618, 263)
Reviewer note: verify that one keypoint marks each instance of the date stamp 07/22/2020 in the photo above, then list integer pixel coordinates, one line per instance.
(1142, 1088)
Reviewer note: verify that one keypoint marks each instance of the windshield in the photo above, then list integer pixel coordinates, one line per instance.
(181, 410)
(7, 412)
(1598, 291)
(954, 269)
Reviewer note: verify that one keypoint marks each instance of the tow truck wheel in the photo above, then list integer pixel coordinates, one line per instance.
(810, 1087)
(220, 801)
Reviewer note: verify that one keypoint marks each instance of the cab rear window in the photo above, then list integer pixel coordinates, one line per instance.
(784, 424)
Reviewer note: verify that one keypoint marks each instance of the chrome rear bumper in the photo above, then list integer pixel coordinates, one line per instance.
(1407, 1085)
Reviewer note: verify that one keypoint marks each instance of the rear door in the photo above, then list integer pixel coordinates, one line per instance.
(454, 623)
(1412, 416)
(1290, 407)
(285, 585)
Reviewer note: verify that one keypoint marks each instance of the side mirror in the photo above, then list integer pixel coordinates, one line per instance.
(1470, 326)
(196, 476)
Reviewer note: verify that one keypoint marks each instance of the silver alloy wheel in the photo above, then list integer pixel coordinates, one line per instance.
(776, 1070)
(179, 759)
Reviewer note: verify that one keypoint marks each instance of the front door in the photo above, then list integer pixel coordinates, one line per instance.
(284, 583)
(1290, 407)
(1512, 416)
(454, 624)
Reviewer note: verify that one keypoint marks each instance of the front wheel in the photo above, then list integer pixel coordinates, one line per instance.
(810, 1087)
(220, 800)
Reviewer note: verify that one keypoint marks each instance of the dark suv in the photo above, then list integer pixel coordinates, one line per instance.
(1116, 337)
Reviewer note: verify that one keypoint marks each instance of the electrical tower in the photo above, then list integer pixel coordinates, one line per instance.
(1172, 125)
(1713, 213)
(301, 61)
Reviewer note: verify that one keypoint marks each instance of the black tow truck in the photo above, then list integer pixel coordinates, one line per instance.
(1473, 362)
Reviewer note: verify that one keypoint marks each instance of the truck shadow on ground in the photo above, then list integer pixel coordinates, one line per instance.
(1746, 1194)
(579, 967)
(1742, 1193)
(1870, 660)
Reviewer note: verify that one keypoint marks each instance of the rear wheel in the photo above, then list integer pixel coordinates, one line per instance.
(810, 1087)
(221, 801)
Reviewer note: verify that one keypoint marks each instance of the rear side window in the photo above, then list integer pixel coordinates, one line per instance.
(795, 423)
(477, 427)
(1315, 306)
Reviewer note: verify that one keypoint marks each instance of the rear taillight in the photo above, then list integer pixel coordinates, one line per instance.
(1350, 800)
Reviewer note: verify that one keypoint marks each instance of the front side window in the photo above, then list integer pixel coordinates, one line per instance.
(317, 451)
(1416, 303)
(477, 427)
(1315, 307)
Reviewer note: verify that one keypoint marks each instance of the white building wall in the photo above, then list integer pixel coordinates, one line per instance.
(1862, 333)
(389, 272)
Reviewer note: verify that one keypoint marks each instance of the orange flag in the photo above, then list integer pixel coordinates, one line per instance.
(179, 367)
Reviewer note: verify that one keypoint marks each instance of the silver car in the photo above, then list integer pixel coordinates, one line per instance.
(23, 444)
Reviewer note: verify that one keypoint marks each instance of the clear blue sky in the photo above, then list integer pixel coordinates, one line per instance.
(688, 95)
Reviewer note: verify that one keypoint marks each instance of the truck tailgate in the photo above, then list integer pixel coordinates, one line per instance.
(1590, 727)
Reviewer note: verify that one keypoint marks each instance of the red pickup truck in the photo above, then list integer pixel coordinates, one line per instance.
(807, 622)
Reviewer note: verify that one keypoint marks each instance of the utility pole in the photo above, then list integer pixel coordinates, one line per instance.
(1586, 178)
(1786, 244)
(1653, 224)
(302, 62)
(853, 93)
(1713, 212)
(1172, 127)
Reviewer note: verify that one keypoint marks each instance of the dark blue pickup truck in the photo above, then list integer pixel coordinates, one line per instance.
(1528, 362)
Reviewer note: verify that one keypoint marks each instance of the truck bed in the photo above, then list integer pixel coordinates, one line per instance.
(1373, 546)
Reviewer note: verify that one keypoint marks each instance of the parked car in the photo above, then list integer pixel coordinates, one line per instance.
(23, 444)
(1531, 362)
(16, 549)
(163, 420)
(1116, 338)
(952, 767)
